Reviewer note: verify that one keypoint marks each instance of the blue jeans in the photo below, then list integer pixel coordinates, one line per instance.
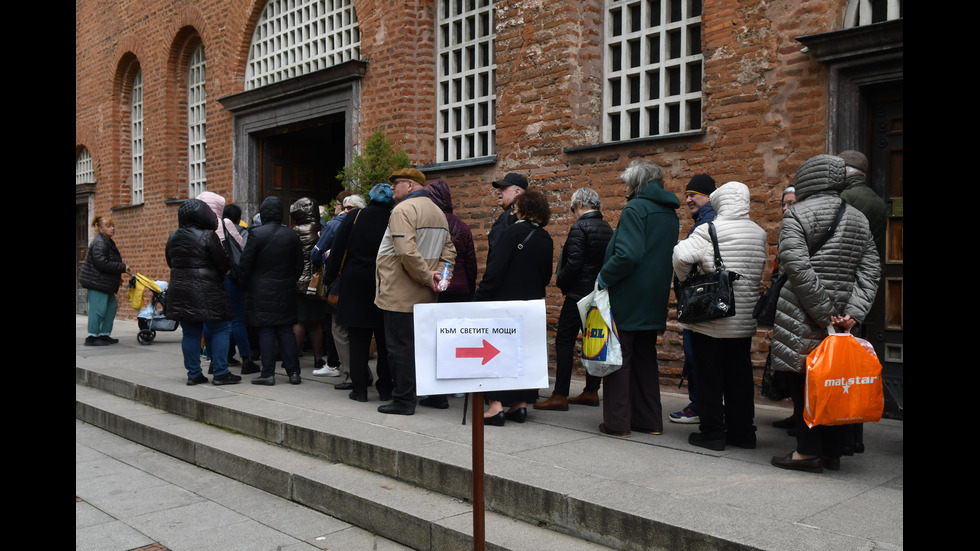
(101, 313)
(237, 323)
(190, 345)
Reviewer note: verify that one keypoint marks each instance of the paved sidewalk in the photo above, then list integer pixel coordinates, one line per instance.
(733, 496)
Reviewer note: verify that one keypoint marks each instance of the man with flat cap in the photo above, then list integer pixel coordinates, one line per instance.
(507, 189)
(410, 259)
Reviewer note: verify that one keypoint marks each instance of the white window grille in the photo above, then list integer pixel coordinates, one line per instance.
(866, 12)
(84, 169)
(197, 176)
(653, 68)
(467, 68)
(136, 120)
(296, 37)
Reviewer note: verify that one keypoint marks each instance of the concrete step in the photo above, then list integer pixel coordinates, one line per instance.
(410, 514)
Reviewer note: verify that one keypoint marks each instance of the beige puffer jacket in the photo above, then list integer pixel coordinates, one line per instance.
(841, 278)
(743, 250)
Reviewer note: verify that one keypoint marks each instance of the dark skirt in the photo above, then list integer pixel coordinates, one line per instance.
(310, 308)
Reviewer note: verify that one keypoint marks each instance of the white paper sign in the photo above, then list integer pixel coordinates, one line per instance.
(473, 348)
(480, 346)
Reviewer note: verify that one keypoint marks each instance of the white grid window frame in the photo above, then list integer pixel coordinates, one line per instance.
(867, 12)
(467, 68)
(136, 137)
(84, 168)
(653, 68)
(296, 37)
(197, 176)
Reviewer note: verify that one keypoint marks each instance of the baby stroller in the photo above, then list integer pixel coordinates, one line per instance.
(151, 318)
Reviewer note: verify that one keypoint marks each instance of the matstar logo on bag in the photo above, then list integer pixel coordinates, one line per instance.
(849, 382)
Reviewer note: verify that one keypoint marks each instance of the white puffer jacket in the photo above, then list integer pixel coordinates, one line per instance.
(743, 250)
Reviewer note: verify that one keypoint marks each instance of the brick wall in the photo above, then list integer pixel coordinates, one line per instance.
(765, 104)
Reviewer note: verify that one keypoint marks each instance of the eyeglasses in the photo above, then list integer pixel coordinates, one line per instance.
(348, 207)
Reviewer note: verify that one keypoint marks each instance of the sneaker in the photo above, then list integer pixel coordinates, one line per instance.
(199, 380)
(326, 371)
(108, 340)
(686, 416)
(95, 341)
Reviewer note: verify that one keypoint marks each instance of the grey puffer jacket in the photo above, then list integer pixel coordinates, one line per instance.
(840, 279)
(742, 244)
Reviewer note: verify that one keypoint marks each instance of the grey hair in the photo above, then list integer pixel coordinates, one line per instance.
(356, 201)
(640, 172)
(588, 197)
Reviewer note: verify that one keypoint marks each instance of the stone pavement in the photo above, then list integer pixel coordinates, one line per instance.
(554, 482)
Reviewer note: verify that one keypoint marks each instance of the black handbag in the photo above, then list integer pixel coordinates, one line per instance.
(709, 295)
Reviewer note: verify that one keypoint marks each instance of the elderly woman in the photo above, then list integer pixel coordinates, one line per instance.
(578, 265)
(722, 362)
(637, 271)
(518, 268)
(101, 274)
(833, 285)
(353, 258)
(196, 295)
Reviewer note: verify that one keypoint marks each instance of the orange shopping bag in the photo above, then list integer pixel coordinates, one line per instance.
(843, 383)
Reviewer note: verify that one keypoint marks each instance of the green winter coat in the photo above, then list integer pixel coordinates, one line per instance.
(860, 196)
(637, 268)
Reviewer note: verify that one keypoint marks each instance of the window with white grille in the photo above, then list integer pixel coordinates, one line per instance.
(466, 68)
(197, 176)
(136, 134)
(84, 169)
(296, 37)
(867, 12)
(653, 68)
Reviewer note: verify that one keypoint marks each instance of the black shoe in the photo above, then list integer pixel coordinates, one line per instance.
(812, 465)
(831, 463)
(266, 381)
(746, 441)
(438, 402)
(701, 440)
(108, 340)
(249, 367)
(227, 379)
(294, 378)
(395, 408)
(385, 396)
(199, 380)
(519, 415)
(354, 395)
(346, 385)
(859, 447)
(497, 420)
(786, 423)
(232, 362)
(95, 341)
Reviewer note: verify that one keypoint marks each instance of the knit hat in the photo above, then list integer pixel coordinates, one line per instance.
(512, 179)
(381, 193)
(410, 173)
(702, 184)
(854, 159)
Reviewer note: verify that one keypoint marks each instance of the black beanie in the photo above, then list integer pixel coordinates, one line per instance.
(702, 184)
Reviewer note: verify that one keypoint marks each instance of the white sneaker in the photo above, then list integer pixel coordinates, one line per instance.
(326, 371)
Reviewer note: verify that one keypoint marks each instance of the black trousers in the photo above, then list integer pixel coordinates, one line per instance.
(282, 336)
(826, 441)
(631, 398)
(726, 391)
(569, 325)
(400, 338)
(360, 353)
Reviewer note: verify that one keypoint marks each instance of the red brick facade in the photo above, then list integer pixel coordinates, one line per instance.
(765, 107)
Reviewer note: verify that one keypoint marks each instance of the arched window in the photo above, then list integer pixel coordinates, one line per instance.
(866, 12)
(84, 169)
(197, 176)
(136, 135)
(296, 37)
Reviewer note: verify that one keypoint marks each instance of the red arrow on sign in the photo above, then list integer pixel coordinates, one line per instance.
(487, 352)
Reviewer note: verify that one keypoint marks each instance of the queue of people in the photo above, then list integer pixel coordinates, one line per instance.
(383, 256)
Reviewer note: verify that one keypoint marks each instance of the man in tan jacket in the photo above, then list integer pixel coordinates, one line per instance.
(410, 259)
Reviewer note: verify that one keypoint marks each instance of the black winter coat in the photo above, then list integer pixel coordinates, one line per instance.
(197, 266)
(358, 237)
(271, 263)
(103, 266)
(518, 274)
(583, 255)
